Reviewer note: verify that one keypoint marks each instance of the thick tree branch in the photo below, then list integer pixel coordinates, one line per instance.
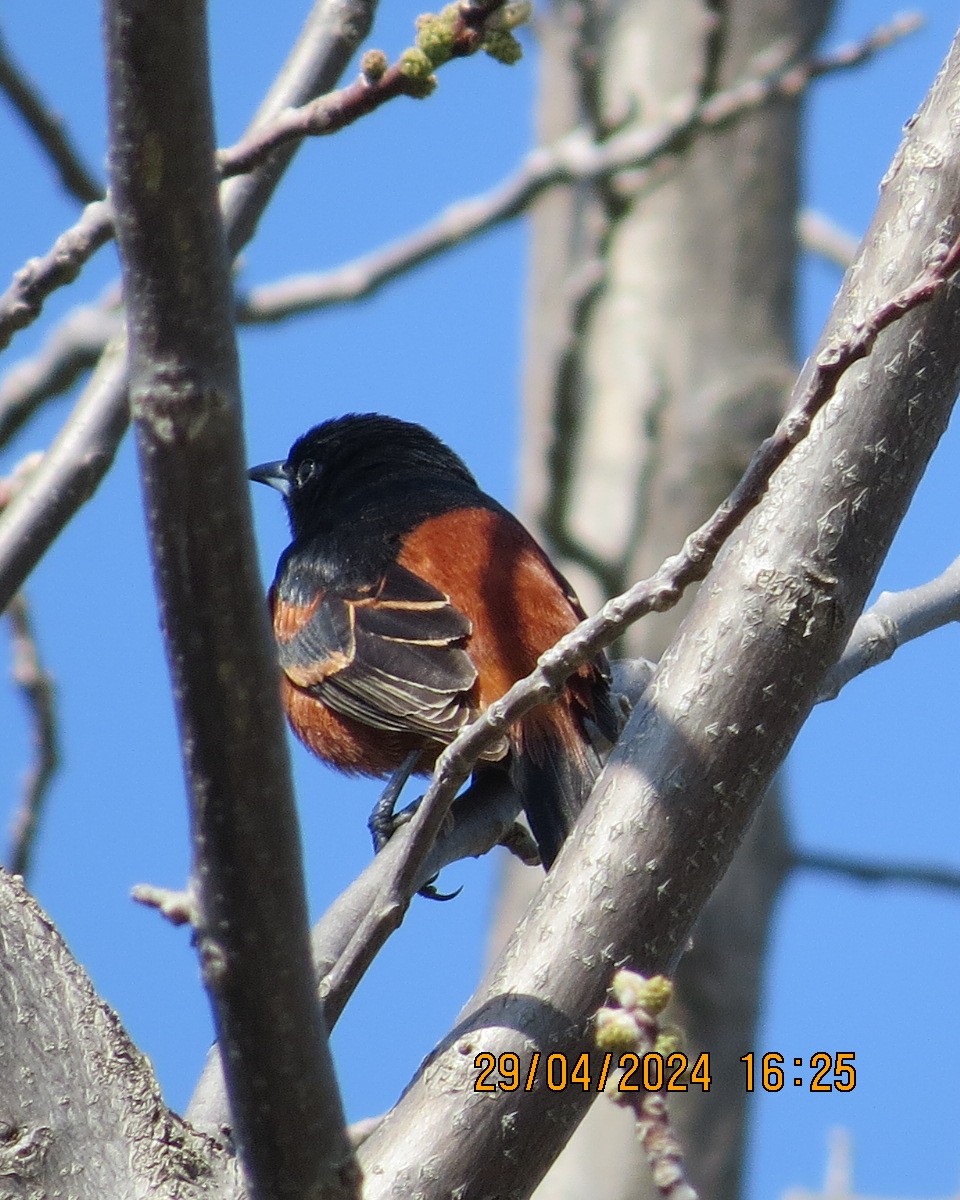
(656, 594)
(248, 884)
(49, 129)
(726, 701)
(82, 453)
(80, 1102)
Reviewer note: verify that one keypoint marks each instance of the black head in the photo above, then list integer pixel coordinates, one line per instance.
(356, 466)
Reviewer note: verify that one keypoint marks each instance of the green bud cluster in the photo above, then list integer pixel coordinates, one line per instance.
(373, 65)
(436, 33)
(503, 46)
(418, 70)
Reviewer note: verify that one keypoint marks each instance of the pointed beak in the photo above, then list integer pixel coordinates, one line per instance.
(274, 474)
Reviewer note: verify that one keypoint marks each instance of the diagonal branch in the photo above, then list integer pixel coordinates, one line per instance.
(656, 594)
(71, 350)
(471, 29)
(465, 32)
(22, 302)
(49, 130)
(726, 702)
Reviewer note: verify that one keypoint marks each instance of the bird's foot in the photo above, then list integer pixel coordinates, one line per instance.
(382, 822)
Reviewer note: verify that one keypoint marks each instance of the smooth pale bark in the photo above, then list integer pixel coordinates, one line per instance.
(725, 703)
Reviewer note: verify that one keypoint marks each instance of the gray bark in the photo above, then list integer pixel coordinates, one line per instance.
(81, 1113)
(725, 703)
(652, 374)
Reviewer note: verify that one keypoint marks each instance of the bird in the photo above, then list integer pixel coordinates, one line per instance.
(407, 602)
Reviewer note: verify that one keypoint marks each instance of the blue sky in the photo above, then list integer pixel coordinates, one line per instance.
(870, 971)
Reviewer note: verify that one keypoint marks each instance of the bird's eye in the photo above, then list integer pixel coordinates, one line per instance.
(305, 472)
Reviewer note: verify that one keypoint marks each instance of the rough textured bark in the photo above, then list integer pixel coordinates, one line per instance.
(660, 350)
(81, 1113)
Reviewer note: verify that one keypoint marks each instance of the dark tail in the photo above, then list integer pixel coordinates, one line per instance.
(554, 776)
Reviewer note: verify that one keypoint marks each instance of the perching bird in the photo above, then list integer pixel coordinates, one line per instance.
(407, 602)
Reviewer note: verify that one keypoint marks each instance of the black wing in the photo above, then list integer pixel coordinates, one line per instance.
(391, 658)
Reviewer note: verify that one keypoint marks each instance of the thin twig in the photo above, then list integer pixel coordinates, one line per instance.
(85, 447)
(882, 871)
(575, 158)
(73, 348)
(49, 129)
(481, 818)
(32, 284)
(656, 594)
(635, 1027)
(37, 688)
(819, 235)
(329, 114)
(179, 906)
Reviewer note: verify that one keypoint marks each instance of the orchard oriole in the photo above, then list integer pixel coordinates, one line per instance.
(407, 602)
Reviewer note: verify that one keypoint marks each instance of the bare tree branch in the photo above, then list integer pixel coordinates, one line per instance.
(88, 1107)
(819, 235)
(49, 129)
(85, 447)
(412, 75)
(576, 158)
(727, 700)
(656, 594)
(72, 349)
(38, 691)
(251, 931)
(862, 870)
(482, 818)
(22, 302)
(69, 472)
(896, 618)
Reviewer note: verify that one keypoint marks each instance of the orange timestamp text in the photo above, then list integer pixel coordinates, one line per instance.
(628, 1072)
